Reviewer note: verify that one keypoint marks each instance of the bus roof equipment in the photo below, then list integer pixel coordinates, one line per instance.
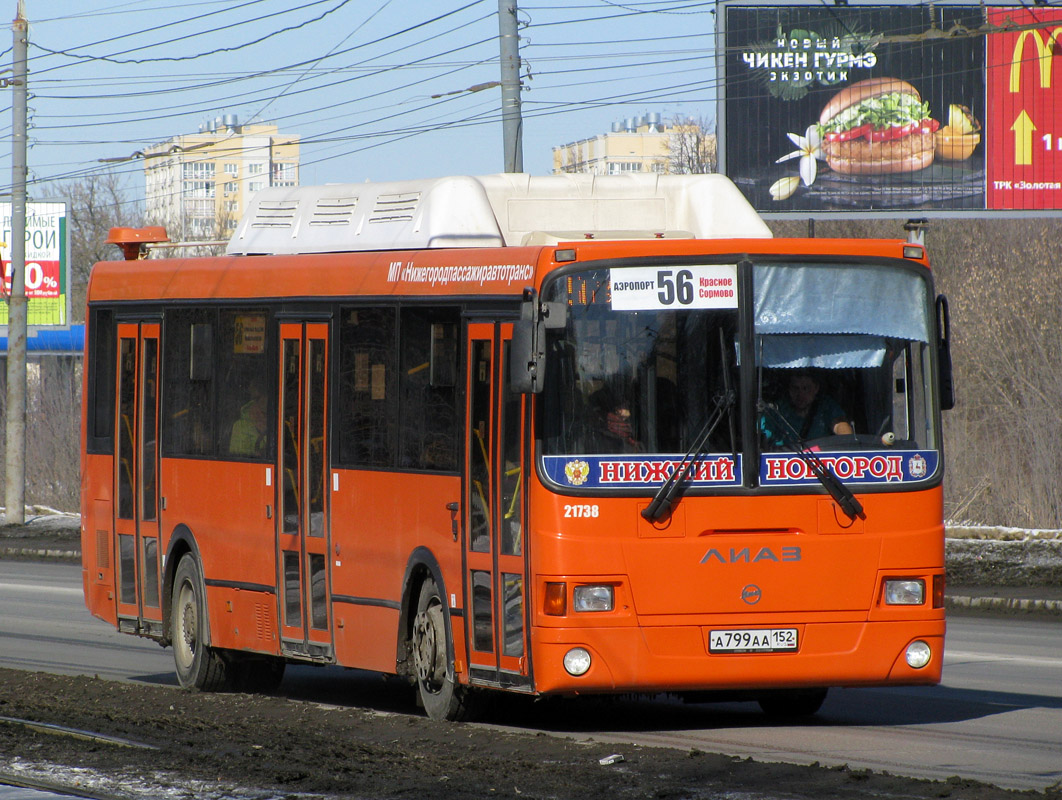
(493, 211)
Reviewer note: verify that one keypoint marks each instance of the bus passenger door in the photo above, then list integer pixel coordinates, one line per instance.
(136, 509)
(302, 496)
(495, 555)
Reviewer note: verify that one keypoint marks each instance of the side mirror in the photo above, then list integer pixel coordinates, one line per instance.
(527, 358)
(947, 386)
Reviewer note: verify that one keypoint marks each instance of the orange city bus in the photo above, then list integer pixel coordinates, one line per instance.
(546, 435)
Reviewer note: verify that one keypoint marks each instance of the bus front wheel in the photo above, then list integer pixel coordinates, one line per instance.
(198, 666)
(442, 697)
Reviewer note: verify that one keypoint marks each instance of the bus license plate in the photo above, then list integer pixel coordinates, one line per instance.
(754, 640)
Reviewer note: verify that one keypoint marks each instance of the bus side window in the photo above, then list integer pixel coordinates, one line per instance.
(245, 421)
(188, 383)
(103, 343)
(428, 409)
(364, 412)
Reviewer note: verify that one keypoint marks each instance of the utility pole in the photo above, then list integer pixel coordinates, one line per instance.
(512, 123)
(15, 457)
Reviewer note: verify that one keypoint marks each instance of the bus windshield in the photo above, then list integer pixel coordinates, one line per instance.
(841, 364)
(842, 355)
(633, 381)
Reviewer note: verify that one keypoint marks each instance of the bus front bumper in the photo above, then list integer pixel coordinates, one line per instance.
(676, 658)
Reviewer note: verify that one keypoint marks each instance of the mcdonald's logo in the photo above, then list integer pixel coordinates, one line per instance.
(1044, 54)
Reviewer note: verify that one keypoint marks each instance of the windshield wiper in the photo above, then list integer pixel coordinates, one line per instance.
(664, 499)
(660, 506)
(841, 494)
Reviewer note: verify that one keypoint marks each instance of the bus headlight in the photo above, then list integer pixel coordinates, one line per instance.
(905, 593)
(593, 598)
(577, 661)
(918, 654)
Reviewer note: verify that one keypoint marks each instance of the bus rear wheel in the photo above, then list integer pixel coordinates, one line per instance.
(792, 703)
(198, 666)
(442, 697)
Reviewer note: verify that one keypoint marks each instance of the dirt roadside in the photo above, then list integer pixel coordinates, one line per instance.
(187, 744)
(244, 746)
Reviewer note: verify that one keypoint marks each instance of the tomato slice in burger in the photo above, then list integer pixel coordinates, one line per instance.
(893, 132)
(899, 131)
(851, 133)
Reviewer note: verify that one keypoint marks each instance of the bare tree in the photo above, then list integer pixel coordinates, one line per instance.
(692, 148)
(98, 203)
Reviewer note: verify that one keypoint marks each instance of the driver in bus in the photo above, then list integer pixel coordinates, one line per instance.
(810, 412)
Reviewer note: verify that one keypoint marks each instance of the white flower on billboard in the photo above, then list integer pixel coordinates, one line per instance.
(809, 151)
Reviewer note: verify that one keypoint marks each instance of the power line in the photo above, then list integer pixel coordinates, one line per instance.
(113, 60)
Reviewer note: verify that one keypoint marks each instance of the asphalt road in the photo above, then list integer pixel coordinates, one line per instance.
(997, 717)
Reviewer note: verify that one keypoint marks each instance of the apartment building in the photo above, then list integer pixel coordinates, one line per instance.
(198, 185)
(640, 144)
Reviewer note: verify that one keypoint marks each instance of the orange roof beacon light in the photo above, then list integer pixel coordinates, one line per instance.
(134, 241)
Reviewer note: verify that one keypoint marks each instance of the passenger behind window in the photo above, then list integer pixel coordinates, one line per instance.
(250, 432)
(615, 425)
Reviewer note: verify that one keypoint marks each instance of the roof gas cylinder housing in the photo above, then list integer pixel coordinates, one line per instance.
(509, 209)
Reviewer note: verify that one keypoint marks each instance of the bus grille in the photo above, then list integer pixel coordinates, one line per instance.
(103, 550)
(262, 623)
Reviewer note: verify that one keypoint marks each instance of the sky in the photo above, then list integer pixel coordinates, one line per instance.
(376, 89)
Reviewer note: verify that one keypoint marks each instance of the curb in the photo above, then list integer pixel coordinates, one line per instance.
(37, 552)
(962, 602)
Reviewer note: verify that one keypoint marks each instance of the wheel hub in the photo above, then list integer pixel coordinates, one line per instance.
(428, 652)
(188, 625)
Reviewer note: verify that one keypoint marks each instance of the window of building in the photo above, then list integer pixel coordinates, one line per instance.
(255, 168)
(621, 167)
(285, 173)
(231, 187)
(232, 169)
(200, 227)
(194, 207)
(198, 170)
(255, 186)
(199, 188)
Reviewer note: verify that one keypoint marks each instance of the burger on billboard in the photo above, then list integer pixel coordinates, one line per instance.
(882, 118)
(877, 126)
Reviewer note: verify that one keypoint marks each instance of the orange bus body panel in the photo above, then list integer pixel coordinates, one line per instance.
(224, 506)
(676, 585)
(379, 519)
(97, 532)
(429, 273)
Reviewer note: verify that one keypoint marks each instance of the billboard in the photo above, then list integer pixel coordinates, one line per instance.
(47, 267)
(1024, 120)
(899, 109)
